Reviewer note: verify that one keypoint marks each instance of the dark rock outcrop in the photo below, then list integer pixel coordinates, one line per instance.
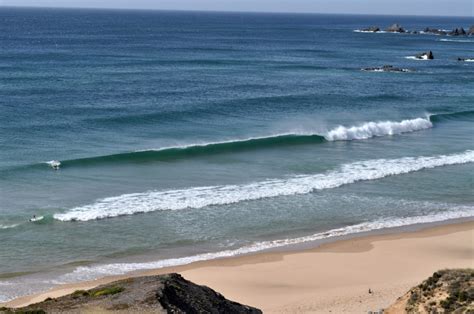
(386, 68)
(373, 29)
(458, 32)
(152, 294)
(179, 295)
(395, 28)
(425, 55)
(434, 31)
(471, 30)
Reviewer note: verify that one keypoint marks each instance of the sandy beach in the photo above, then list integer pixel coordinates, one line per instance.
(334, 277)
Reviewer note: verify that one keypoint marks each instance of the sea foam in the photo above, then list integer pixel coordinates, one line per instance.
(91, 272)
(198, 197)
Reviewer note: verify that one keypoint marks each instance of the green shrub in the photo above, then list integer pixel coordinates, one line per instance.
(463, 296)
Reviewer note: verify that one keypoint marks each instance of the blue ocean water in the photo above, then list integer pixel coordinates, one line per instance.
(187, 136)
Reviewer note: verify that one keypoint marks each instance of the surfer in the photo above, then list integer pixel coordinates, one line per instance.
(35, 219)
(55, 164)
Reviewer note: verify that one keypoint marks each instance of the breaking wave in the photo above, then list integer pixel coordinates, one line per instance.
(340, 133)
(199, 197)
(373, 129)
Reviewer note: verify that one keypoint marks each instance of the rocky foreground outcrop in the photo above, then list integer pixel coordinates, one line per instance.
(152, 294)
(447, 291)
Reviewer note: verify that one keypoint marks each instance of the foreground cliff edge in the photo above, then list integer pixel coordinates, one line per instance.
(169, 293)
(446, 291)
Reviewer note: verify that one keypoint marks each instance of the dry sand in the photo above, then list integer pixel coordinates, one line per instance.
(334, 277)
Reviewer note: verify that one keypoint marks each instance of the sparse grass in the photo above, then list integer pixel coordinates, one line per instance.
(97, 293)
(107, 291)
(80, 293)
(456, 285)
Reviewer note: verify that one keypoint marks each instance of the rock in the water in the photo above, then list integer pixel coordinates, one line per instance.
(458, 32)
(395, 28)
(425, 55)
(471, 30)
(434, 31)
(153, 294)
(373, 29)
(386, 68)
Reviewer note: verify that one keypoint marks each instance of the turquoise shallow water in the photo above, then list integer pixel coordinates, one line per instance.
(190, 136)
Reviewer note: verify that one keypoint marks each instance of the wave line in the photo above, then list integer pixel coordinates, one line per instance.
(199, 197)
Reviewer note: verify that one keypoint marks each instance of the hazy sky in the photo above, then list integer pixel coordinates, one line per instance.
(411, 7)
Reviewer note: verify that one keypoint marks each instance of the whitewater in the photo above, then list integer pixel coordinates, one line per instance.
(85, 273)
(199, 197)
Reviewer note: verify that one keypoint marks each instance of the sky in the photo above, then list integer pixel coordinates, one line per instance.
(390, 7)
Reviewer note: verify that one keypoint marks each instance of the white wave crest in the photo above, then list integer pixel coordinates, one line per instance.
(366, 31)
(92, 272)
(457, 40)
(199, 197)
(8, 226)
(55, 164)
(418, 59)
(372, 129)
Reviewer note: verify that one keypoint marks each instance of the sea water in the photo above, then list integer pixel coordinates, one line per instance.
(187, 136)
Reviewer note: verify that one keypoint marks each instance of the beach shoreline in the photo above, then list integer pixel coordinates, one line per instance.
(343, 271)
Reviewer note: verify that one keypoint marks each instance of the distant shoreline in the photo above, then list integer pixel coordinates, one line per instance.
(372, 257)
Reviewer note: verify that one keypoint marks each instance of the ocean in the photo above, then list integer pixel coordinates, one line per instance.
(187, 136)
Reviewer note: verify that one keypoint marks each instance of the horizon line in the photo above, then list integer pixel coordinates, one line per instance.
(222, 11)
